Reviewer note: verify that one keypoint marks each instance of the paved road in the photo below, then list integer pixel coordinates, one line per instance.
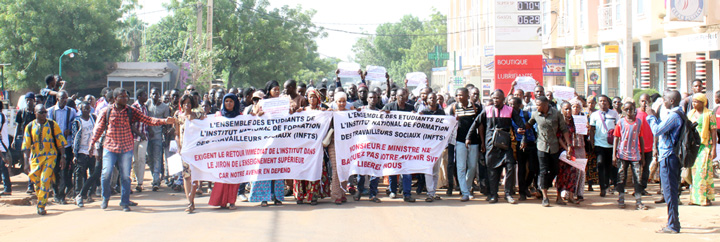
(160, 217)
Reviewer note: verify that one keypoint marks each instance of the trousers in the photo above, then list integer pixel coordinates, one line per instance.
(140, 160)
(634, 167)
(670, 182)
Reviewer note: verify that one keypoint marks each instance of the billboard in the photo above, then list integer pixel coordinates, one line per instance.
(508, 67)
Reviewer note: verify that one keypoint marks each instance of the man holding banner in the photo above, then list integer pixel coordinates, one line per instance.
(497, 121)
(402, 106)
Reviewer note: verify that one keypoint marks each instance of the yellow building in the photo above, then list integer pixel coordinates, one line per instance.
(671, 44)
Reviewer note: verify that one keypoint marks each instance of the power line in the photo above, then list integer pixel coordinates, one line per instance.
(350, 32)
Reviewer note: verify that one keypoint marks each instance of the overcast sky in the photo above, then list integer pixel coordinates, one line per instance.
(343, 12)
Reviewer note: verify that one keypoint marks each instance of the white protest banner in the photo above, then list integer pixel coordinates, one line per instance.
(380, 144)
(375, 73)
(416, 78)
(275, 107)
(525, 83)
(249, 148)
(574, 162)
(563, 92)
(348, 69)
(580, 124)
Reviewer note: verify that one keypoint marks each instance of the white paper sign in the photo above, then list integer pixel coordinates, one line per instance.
(174, 164)
(375, 73)
(563, 92)
(380, 144)
(416, 78)
(580, 124)
(575, 162)
(348, 69)
(275, 107)
(249, 148)
(525, 83)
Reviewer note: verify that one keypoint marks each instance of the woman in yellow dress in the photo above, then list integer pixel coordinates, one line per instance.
(702, 192)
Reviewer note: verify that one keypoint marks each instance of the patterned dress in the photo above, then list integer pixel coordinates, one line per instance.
(591, 170)
(43, 155)
(569, 176)
(703, 189)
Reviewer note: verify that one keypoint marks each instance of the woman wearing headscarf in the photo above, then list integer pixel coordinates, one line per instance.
(703, 191)
(591, 173)
(337, 194)
(310, 191)
(225, 195)
(273, 190)
(272, 89)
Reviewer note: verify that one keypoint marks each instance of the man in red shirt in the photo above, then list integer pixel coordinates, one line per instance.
(647, 137)
(118, 143)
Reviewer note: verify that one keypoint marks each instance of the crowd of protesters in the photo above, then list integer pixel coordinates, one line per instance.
(77, 148)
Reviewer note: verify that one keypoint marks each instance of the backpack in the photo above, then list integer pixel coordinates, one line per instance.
(52, 134)
(687, 146)
(133, 130)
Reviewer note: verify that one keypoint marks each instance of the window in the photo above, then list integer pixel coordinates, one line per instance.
(547, 21)
(640, 8)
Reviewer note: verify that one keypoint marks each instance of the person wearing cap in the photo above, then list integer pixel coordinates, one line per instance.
(22, 119)
(322, 90)
(254, 108)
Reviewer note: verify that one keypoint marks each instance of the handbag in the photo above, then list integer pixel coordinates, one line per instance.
(610, 133)
(500, 138)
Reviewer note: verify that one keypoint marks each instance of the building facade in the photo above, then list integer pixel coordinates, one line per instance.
(583, 43)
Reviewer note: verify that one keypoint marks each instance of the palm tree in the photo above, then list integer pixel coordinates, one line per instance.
(131, 35)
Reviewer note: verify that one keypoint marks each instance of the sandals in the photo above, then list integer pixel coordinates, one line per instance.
(356, 197)
(343, 199)
(190, 208)
(232, 207)
(560, 202)
(314, 202)
(338, 202)
(264, 204)
(277, 202)
(641, 207)
(621, 205)
(375, 200)
(299, 202)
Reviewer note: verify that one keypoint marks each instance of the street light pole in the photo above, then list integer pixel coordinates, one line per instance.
(70, 52)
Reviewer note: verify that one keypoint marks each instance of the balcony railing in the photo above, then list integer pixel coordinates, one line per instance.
(609, 15)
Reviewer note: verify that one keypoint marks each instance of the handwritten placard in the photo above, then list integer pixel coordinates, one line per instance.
(580, 124)
(525, 83)
(563, 92)
(348, 69)
(276, 106)
(416, 79)
(375, 73)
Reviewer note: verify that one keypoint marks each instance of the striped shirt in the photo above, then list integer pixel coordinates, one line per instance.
(141, 127)
(629, 133)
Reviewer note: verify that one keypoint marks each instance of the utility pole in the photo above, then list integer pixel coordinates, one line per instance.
(626, 70)
(209, 29)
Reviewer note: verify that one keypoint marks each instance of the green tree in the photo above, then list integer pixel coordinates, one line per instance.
(33, 34)
(402, 47)
(252, 43)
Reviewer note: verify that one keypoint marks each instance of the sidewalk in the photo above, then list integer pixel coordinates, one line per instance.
(19, 197)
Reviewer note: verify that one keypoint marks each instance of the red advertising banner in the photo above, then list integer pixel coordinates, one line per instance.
(508, 67)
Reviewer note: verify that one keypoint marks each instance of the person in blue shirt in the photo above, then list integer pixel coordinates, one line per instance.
(528, 165)
(63, 115)
(668, 133)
